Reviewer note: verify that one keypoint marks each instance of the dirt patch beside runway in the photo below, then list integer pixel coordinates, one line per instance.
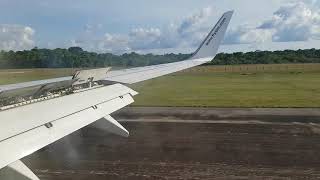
(184, 147)
(304, 115)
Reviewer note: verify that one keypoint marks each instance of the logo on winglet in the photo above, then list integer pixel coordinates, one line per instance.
(216, 31)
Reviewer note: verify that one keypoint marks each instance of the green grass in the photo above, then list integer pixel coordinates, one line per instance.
(208, 87)
(216, 86)
(10, 76)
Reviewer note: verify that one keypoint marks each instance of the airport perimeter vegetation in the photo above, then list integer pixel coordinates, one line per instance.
(254, 85)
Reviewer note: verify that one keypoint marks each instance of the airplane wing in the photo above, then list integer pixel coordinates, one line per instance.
(36, 114)
(205, 53)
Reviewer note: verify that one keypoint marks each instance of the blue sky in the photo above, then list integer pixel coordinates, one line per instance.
(164, 26)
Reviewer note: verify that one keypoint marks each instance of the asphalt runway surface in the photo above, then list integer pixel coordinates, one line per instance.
(189, 143)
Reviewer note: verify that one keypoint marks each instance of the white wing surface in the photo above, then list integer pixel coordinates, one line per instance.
(29, 128)
(42, 112)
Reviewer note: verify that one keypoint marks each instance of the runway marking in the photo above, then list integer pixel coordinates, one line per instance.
(14, 72)
(213, 121)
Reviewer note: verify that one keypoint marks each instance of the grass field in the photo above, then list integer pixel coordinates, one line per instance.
(10, 76)
(294, 85)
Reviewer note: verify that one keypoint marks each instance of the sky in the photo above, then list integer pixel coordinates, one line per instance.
(150, 26)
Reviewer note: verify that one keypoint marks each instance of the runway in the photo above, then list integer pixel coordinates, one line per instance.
(177, 146)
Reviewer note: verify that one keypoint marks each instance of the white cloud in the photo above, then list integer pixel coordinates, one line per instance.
(193, 29)
(108, 43)
(296, 21)
(114, 43)
(191, 23)
(245, 35)
(145, 38)
(16, 37)
(184, 33)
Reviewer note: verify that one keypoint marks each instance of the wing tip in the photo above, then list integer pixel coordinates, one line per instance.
(229, 13)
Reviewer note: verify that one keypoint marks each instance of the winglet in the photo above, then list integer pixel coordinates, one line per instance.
(210, 46)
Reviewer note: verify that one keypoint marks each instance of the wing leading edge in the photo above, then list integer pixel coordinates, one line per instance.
(205, 53)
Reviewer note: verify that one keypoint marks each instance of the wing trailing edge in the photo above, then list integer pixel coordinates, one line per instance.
(34, 126)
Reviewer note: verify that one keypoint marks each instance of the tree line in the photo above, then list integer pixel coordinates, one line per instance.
(75, 57)
(268, 57)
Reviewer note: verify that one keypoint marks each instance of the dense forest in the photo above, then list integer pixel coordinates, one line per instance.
(76, 57)
(269, 57)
